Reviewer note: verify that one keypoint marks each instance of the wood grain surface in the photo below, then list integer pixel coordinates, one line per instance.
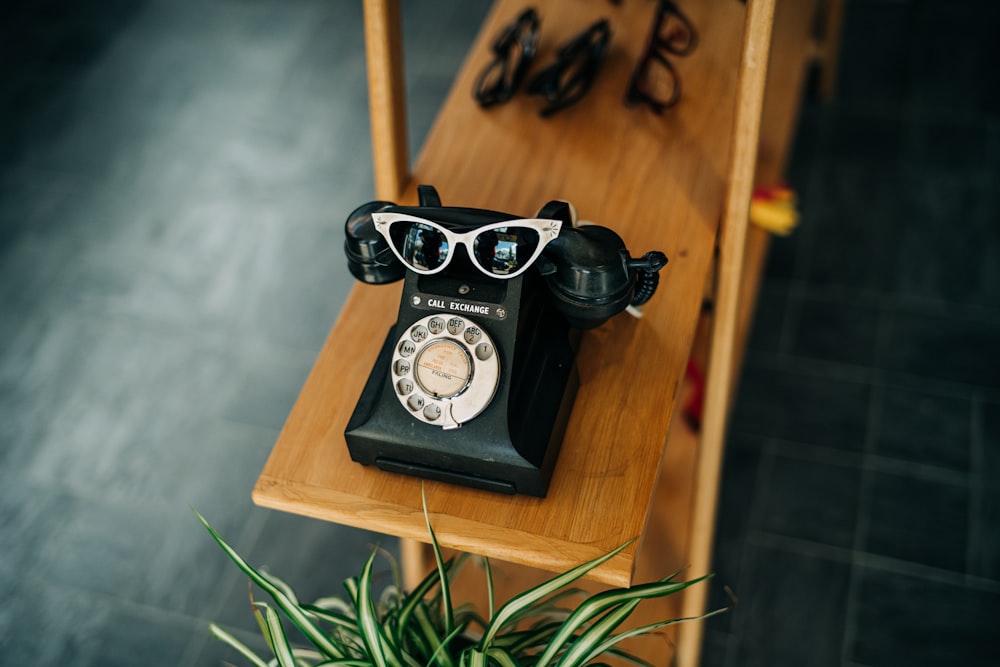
(659, 181)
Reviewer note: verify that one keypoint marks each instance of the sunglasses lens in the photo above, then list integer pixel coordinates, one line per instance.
(421, 246)
(504, 250)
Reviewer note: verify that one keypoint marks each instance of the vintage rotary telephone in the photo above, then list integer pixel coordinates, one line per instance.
(475, 382)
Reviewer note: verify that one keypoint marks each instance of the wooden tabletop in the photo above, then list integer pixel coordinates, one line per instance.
(656, 180)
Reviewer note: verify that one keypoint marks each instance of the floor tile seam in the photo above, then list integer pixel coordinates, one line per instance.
(862, 517)
(132, 606)
(976, 486)
(205, 338)
(195, 645)
(814, 453)
(243, 636)
(791, 313)
(930, 573)
(827, 368)
(737, 629)
(813, 368)
(993, 145)
(800, 546)
(939, 386)
(96, 495)
(797, 449)
(917, 470)
(915, 306)
(897, 303)
(907, 108)
(806, 235)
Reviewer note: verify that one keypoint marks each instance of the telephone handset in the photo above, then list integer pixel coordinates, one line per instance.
(475, 382)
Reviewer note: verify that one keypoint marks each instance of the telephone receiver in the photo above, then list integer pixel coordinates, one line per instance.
(589, 272)
(475, 382)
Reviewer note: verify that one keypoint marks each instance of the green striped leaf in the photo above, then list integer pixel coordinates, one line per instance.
(442, 654)
(297, 615)
(502, 657)
(380, 649)
(525, 600)
(523, 640)
(601, 602)
(449, 618)
(608, 644)
(279, 642)
(594, 641)
(490, 600)
(416, 599)
(235, 643)
(333, 618)
(581, 650)
(477, 658)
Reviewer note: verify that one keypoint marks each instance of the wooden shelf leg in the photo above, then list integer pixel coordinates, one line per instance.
(387, 98)
(416, 561)
(732, 246)
(830, 54)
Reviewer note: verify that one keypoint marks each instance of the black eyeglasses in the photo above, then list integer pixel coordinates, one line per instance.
(513, 49)
(659, 87)
(569, 78)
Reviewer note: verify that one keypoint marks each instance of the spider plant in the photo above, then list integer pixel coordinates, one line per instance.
(423, 628)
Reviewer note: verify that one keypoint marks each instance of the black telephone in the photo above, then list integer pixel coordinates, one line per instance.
(476, 380)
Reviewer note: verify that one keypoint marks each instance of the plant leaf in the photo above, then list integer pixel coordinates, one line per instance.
(415, 599)
(379, 648)
(581, 650)
(227, 638)
(520, 641)
(449, 617)
(297, 615)
(528, 598)
(489, 588)
(433, 642)
(441, 654)
(601, 602)
(477, 657)
(652, 627)
(279, 642)
(594, 641)
(333, 618)
(502, 657)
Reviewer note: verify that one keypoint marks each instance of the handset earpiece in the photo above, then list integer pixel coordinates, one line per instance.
(369, 257)
(592, 277)
(592, 281)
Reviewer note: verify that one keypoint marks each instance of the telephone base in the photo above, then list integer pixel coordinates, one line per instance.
(510, 448)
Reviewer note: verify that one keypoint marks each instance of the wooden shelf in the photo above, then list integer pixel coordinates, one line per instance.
(661, 182)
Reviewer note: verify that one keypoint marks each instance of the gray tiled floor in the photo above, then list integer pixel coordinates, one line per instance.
(173, 177)
(859, 506)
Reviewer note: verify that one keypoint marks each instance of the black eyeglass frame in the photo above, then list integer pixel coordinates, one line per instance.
(570, 77)
(523, 32)
(657, 48)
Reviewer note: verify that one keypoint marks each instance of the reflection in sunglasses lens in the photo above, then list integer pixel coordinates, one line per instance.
(504, 250)
(422, 247)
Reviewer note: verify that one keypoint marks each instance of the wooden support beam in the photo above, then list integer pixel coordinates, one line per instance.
(387, 97)
(732, 246)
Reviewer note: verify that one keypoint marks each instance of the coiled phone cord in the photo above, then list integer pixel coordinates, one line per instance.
(647, 275)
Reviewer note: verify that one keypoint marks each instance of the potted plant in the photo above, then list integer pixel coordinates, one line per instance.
(423, 627)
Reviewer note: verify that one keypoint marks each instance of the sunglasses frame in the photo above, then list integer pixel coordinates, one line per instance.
(547, 229)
